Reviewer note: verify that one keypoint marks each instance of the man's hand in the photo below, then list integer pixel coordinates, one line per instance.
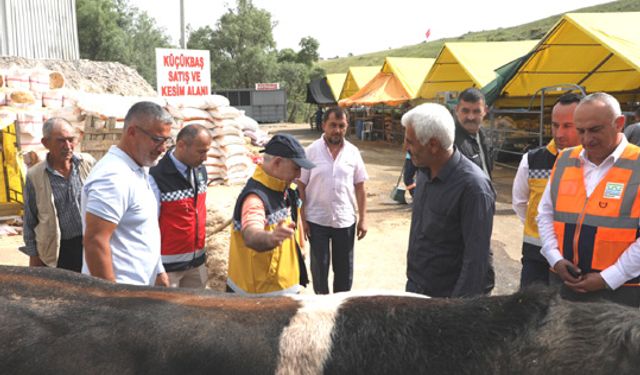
(562, 268)
(35, 261)
(590, 282)
(162, 279)
(362, 229)
(282, 232)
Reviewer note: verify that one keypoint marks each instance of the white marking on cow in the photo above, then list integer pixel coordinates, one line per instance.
(305, 344)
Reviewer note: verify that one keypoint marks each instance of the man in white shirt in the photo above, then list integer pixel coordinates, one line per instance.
(531, 179)
(328, 210)
(590, 212)
(119, 208)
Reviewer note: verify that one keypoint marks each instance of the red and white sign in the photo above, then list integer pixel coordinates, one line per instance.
(267, 86)
(183, 72)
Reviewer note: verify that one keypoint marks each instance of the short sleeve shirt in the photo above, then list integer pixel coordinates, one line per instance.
(330, 186)
(118, 190)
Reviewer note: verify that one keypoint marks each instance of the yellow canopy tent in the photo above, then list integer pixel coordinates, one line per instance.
(357, 76)
(336, 81)
(599, 51)
(397, 82)
(469, 64)
(11, 175)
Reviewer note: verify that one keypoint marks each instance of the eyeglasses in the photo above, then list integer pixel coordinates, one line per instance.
(156, 139)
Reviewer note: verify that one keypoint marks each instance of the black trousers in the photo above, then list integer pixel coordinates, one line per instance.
(408, 176)
(70, 256)
(333, 245)
(534, 271)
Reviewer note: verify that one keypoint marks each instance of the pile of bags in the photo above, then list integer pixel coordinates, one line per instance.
(229, 159)
(28, 97)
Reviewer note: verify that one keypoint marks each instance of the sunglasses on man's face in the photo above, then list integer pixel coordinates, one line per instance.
(156, 139)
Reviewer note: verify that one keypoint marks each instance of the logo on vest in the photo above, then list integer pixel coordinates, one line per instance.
(613, 190)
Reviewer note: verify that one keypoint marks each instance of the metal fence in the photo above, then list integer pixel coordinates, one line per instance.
(39, 29)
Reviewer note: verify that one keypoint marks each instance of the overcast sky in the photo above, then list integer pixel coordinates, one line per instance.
(361, 26)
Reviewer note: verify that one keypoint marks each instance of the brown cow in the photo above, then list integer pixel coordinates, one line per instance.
(57, 322)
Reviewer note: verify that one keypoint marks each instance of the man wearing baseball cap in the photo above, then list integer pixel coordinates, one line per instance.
(264, 253)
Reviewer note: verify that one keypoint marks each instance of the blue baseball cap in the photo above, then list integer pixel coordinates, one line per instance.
(286, 146)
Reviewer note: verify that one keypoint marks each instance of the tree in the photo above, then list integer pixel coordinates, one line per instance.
(146, 37)
(99, 32)
(287, 55)
(112, 30)
(241, 46)
(295, 77)
(243, 52)
(308, 53)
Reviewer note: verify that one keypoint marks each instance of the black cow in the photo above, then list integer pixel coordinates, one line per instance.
(57, 322)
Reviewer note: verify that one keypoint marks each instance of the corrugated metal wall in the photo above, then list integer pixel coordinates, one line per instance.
(40, 29)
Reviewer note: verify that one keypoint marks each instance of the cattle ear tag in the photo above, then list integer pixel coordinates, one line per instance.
(613, 190)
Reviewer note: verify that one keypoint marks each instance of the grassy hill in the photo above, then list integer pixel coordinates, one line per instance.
(532, 30)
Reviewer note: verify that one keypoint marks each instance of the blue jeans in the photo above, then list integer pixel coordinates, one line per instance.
(333, 245)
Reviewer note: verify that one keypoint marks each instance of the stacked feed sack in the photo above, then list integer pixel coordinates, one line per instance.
(221, 200)
(105, 106)
(25, 105)
(228, 158)
(35, 95)
(252, 131)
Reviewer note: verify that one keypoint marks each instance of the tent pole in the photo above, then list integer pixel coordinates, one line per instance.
(595, 69)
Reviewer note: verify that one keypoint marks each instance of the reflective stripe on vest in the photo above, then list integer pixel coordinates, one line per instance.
(272, 272)
(180, 258)
(540, 163)
(593, 232)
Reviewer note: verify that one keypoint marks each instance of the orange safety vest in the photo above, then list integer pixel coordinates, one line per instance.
(594, 231)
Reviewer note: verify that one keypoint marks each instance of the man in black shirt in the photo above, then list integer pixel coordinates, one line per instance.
(471, 140)
(452, 219)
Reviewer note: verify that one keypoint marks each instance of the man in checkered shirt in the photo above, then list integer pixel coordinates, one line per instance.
(52, 223)
(529, 184)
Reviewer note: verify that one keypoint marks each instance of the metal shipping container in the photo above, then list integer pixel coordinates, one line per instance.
(39, 29)
(264, 106)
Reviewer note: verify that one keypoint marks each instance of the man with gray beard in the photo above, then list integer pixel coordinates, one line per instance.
(119, 208)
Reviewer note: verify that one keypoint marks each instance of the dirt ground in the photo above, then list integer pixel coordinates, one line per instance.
(380, 258)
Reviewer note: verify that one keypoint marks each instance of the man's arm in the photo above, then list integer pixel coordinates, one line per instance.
(359, 177)
(253, 233)
(303, 217)
(97, 247)
(361, 200)
(260, 240)
(520, 190)
(550, 249)
(477, 209)
(29, 225)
